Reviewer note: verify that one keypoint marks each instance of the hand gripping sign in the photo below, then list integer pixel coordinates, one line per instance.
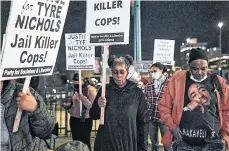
(107, 23)
(33, 35)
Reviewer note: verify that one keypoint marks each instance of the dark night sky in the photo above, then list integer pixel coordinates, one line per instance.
(180, 20)
(160, 20)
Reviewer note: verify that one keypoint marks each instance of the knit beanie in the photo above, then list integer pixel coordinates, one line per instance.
(197, 54)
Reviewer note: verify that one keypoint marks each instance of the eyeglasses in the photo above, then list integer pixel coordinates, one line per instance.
(122, 72)
(196, 69)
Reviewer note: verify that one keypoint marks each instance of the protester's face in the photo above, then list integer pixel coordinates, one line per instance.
(199, 94)
(154, 70)
(119, 74)
(199, 68)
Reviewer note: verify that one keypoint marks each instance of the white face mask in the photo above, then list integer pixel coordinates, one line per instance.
(133, 75)
(198, 80)
(155, 75)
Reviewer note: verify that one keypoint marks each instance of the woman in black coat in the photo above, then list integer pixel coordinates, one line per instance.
(125, 121)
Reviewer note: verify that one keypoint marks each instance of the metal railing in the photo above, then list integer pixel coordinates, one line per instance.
(56, 96)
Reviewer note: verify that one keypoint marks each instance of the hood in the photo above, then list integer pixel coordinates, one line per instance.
(127, 88)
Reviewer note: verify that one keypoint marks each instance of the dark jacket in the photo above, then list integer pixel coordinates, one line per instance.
(125, 121)
(33, 126)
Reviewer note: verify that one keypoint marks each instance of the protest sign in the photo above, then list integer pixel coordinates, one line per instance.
(32, 37)
(142, 66)
(79, 56)
(108, 22)
(164, 51)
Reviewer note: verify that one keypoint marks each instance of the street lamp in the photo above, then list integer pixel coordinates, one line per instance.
(220, 25)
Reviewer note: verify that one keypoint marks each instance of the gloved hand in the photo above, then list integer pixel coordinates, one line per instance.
(177, 133)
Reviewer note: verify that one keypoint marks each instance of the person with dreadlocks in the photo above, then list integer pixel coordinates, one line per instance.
(125, 119)
(195, 108)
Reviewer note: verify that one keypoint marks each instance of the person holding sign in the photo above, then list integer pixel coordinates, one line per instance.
(37, 83)
(81, 126)
(125, 118)
(35, 123)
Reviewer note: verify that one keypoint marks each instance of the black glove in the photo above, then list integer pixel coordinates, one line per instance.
(177, 133)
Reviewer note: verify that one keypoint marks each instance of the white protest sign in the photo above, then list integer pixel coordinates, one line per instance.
(164, 51)
(79, 56)
(108, 22)
(33, 37)
(142, 66)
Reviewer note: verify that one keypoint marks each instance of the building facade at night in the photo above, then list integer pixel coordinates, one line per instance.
(185, 50)
(213, 52)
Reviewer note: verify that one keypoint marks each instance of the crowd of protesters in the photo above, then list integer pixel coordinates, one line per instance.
(191, 109)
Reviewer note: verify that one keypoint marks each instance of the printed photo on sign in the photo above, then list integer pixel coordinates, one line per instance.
(33, 37)
(107, 22)
(79, 56)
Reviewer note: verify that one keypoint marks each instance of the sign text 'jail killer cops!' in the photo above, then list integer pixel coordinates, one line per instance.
(33, 37)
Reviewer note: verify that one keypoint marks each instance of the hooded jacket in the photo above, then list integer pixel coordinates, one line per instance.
(125, 119)
(172, 103)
